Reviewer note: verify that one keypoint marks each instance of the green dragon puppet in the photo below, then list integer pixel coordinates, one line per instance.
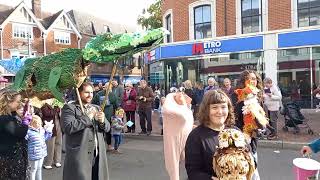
(48, 76)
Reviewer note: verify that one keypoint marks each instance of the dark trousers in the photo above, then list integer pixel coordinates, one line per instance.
(107, 137)
(131, 117)
(145, 115)
(95, 169)
(117, 141)
(273, 116)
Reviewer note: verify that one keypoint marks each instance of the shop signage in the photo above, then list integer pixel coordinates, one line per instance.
(211, 47)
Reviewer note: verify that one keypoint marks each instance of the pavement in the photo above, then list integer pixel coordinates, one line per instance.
(144, 160)
(286, 139)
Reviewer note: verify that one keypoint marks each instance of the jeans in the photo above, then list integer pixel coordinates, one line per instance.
(145, 115)
(36, 169)
(117, 141)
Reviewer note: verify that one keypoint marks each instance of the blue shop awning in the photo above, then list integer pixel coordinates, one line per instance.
(104, 78)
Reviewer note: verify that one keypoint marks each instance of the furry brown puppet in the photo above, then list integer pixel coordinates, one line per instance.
(177, 124)
(233, 159)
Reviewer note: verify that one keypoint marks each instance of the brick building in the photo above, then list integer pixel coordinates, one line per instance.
(30, 32)
(221, 38)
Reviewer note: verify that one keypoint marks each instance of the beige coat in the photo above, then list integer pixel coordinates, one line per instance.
(177, 124)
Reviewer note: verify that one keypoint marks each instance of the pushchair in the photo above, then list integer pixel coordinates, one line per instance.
(294, 118)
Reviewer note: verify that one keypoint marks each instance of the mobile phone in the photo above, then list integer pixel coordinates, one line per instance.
(267, 90)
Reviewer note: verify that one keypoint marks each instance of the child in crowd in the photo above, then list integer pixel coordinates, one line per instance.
(160, 113)
(117, 128)
(37, 149)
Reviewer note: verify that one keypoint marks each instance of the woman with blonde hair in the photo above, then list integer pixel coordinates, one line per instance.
(190, 92)
(13, 146)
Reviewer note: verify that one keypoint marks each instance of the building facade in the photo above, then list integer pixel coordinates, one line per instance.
(28, 32)
(221, 38)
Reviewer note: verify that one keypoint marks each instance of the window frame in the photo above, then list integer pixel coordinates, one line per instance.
(202, 23)
(65, 35)
(260, 15)
(168, 18)
(309, 15)
(19, 31)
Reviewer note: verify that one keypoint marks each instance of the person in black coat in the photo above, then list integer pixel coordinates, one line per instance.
(13, 146)
(215, 114)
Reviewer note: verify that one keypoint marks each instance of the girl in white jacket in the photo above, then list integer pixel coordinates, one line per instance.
(272, 100)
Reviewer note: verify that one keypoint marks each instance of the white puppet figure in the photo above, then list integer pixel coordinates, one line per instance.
(177, 124)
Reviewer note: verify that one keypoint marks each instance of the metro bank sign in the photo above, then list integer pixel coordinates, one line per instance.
(211, 47)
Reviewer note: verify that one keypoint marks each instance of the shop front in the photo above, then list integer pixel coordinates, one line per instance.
(196, 61)
(290, 58)
(298, 66)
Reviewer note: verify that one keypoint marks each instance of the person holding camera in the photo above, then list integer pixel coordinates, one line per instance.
(86, 156)
(145, 98)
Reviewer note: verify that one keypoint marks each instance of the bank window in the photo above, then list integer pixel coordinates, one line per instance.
(22, 31)
(251, 16)
(202, 22)
(168, 27)
(308, 13)
(61, 37)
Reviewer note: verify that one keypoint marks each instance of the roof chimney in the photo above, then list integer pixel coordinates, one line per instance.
(36, 8)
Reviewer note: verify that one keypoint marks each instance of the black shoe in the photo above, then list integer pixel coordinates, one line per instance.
(161, 131)
(143, 132)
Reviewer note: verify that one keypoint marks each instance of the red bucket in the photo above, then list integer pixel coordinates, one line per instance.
(306, 169)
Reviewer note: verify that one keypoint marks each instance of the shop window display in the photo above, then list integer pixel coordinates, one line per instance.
(298, 75)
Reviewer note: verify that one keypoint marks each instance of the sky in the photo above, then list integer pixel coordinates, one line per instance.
(119, 11)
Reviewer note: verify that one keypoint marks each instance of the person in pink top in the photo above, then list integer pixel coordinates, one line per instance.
(177, 124)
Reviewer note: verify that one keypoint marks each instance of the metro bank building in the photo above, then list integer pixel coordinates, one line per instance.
(279, 39)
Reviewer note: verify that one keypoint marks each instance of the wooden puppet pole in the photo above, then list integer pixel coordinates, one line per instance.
(114, 69)
(79, 99)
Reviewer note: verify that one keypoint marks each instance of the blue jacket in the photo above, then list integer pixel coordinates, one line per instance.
(315, 145)
(36, 138)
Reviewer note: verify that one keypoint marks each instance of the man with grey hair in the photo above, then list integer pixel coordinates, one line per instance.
(118, 91)
(212, 85)
(145, 98)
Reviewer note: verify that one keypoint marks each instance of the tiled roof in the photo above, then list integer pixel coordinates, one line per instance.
(89, 24)
(5, 11)
(46, 22)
